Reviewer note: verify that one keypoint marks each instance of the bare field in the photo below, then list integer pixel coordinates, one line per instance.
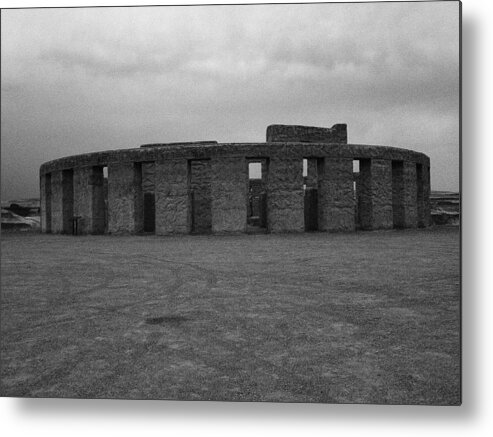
(369, 317)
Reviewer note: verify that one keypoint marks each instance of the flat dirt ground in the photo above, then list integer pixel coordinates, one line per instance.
(367, 317)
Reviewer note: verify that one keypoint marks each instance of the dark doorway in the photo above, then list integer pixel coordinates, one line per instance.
(257, 196)
(356, 193)
(148, 197)
(47, 203)
(310, 187)
(149, 213)
(200, 196)
(398, 194)
(420, 195)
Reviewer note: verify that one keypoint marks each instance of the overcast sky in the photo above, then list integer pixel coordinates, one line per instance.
(84, 80)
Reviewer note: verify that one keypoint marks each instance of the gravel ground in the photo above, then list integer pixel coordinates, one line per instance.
(366, 317)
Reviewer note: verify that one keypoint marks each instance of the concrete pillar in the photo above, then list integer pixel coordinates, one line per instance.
(125, 198)
(68, 200)
(172, 200)
(398, 194)
(285, 196)
(62, 190)
(410, 195)
(375, 194)
(229, 194)
(336, 202)
(89, 202)
(56, 202)
(45, 202)
(423, 188)
(199, 187)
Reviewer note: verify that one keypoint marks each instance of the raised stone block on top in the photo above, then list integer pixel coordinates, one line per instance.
(280, 133)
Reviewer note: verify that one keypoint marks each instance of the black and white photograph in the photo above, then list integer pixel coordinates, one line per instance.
(233, 203)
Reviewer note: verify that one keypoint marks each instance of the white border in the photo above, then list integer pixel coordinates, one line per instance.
(152, 418)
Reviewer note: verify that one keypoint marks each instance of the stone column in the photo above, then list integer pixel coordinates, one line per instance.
(172, 200)
(68, 200)
(285, 197)
(410, 195)
(62, 201)
(56, 202)
(336, 202)
(375, 194)
(89, 199)
(125, 199)
(426, 196)
(45, 202)
(398, 194)
(423, 180)
(229, 194)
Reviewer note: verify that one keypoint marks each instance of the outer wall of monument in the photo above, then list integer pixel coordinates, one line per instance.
(206, 188)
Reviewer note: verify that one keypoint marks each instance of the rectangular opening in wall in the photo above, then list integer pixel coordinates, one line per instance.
(99, 215)
(257, 195)
(356, 165)
(47, 203)
(398, 209)
(105, 197)
(310, 185)
(420, 195)
(200, 196)
(149, 198)
(365, 194)
(68, 201)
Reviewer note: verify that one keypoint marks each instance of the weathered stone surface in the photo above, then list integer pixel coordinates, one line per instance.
(426, 196)
(229, 195)
(62, 190)
(285, 196)
(89, 203)
(375, 194)
(172, 199)
(307, 134)
(45, 201)
(57, 202)
(68, 200)
(423, 191)
(336, 195)
(200, 195)
(410, 195)
(251, 150)
(398, 194)
(125, 198)
(222, 203)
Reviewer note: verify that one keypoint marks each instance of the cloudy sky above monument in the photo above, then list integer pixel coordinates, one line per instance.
(85, 80)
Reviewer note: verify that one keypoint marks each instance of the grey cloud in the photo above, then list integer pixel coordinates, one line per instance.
(116, 78)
